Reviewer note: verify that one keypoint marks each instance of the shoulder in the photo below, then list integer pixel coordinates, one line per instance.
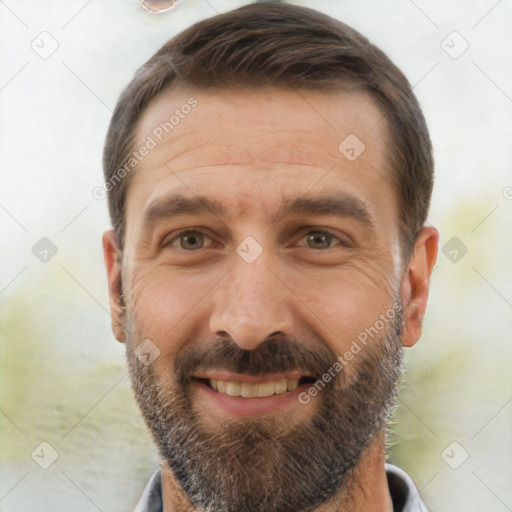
(151, 497)
(405, 496)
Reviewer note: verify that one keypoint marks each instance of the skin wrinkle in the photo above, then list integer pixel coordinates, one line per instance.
(365, 262)
(327, 156)
(386, 174)
(210, 307)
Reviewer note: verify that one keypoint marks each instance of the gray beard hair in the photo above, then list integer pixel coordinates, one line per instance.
(263, 464)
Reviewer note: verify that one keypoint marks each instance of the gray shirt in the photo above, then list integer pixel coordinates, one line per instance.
(404, 494)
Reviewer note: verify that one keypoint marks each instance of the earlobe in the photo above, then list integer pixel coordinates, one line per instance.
(112, 258)
(416, 284)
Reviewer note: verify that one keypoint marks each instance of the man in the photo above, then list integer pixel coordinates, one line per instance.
(269, 175)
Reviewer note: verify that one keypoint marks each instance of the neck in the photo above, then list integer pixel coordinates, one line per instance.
(366, 491)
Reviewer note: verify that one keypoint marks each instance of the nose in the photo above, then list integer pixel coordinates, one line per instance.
(251, 304)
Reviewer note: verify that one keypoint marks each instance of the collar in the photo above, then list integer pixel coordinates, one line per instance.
(405, 496)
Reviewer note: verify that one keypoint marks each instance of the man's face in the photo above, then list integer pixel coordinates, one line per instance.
(300, 256)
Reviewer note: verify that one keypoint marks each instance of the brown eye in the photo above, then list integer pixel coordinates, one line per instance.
(320, 240)
(190, 240)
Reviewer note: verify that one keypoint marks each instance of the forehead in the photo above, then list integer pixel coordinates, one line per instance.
(255, 148)
(312, 123)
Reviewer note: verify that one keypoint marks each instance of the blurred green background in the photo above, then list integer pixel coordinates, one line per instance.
(63, 376)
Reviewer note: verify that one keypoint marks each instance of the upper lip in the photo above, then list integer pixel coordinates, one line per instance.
(252, 379)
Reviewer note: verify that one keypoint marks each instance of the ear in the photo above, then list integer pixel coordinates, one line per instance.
(416, 283)
(112, 257)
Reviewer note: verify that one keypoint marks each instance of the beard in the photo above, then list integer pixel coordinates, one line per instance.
(268, 463)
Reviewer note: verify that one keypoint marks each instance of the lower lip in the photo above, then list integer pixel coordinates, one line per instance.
(241, 406)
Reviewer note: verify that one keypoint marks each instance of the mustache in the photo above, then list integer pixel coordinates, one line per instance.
(276, 355)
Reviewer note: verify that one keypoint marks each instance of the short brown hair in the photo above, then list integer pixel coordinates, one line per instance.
(274, 44)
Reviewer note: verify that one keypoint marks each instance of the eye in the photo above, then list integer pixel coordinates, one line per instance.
(189, 240)
(321, 240)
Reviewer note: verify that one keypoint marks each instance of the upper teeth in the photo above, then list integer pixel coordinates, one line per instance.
(245, 389)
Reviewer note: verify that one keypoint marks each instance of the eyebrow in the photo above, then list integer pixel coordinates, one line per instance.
(341, 205)
(334, 205)
(178, 204)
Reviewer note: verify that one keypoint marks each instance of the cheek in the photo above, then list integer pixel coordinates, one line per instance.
(341, 303)
(167, 305)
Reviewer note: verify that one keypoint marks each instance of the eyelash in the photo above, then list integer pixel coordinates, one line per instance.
(342, 242)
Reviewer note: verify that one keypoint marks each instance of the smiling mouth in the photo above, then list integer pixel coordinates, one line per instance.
(238, 388)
